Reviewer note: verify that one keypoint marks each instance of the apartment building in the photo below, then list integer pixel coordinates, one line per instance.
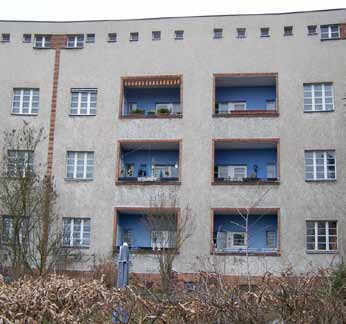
(240, 118)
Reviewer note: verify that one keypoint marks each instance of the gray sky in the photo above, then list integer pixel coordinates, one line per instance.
(124, 9)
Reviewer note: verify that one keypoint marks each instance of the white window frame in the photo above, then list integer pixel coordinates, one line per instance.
(45, 43)
(230, 106)
(314, 97)
(329, 33)
(163, 168)
(33, 92)
(29, 162)
(271, 235)
(85, 155)
(274, 172)
(327, 235)
(75, 41)
(82, 231)
(229, 171)
(80, 92)
(325, 165)
(164, 239)
(230, 240)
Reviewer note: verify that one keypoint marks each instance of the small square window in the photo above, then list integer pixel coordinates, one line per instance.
(312, 30)
(264, 32)
(5, 38)
(241, 32)
(288, 31)
(179, 34)
(26, 38)
(218, 33)
(90, 38)
(112, 37)
(134, 37)
(156, 35)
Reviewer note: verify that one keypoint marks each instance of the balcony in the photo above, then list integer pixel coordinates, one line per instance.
(151, 97)
(231, 235)
(246, 162)
(149, 162)
(245, 95)
(146, 230)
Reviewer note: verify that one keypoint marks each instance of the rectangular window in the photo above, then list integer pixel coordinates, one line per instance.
(330, 32)
(227, 107)
(156, 35)
(75, 41)
(80, 165)
(163, 239)
(76, 232)
(20, 163)
(321, 236)
(26, 38)
(5, 38)
(271, 171)
(179, 34)
(8, 228)
(134, 37)
(318, 97)
(270, 105)
(236, 240)
(320, 165)
(127, 236)
(232, 172)
(25, 101)
(43, 41)
(288, 31)
(312, 30)
(218, 33)
(90, 38)
(241, 32)
(264, 32)
(271, 239)
(112, 37)
(164, 171)
(83, 102)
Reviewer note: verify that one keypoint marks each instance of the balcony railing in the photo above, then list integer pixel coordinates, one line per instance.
(248, 180)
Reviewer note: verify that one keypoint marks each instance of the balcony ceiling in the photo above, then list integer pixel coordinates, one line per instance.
(150, 146)
(244, 145)
(253, 81)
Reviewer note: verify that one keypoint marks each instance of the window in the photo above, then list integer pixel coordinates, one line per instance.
(163, 171)
(264, 32)
(25, 101)
(226, 107)
(321, 236)
(5, 38)
(270, 104)
(330, 32)
(26, 38)
(288, 31)
(271, 239)
(112, 37)
(75, 41)
(320, 165)
(90, 38)
(8, 228)
(127, 236)
(163, 239)
(218, 33)
(156, 35)
(80, 165)
(312, 30)
(20, 163)
(83, 102)
(232, 172)
(241, 32)
(43, 41)
(179, 34)
(236, 240)
(318, 97)
(76, 232)
(134, 37)
(271, 171)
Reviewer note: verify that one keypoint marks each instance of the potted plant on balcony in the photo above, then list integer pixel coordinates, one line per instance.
(163, 112)
(137, 112)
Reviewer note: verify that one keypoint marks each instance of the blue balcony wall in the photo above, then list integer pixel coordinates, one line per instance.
(258, 226)
(255, 97)
(149, 158)
(249, 157)
(147, 98)
(137, 224)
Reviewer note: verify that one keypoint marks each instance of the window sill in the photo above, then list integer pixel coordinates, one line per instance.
(318, 111)
(27, 115)
(143, 251)
(142, 116)
(248, 113)
(148, 183)
(322, 252)
(320, 180)
(330, 39)
(246, 183)
(74, 115)
(78, 180)
(42, 48)
(273, 254)
(74, 48)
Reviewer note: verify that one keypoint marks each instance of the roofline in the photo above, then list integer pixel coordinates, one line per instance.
(174, 17)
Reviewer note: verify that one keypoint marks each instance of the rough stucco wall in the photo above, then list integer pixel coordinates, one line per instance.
(297, 59)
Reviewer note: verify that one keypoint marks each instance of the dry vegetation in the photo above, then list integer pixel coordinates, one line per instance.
(311, 299)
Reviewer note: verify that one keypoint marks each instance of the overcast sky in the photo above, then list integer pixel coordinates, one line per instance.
(125, 9)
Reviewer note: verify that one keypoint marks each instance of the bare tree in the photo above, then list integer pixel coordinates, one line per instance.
(169, 227)
(31, 233)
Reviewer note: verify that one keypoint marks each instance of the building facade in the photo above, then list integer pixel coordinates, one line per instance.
(239, 119)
